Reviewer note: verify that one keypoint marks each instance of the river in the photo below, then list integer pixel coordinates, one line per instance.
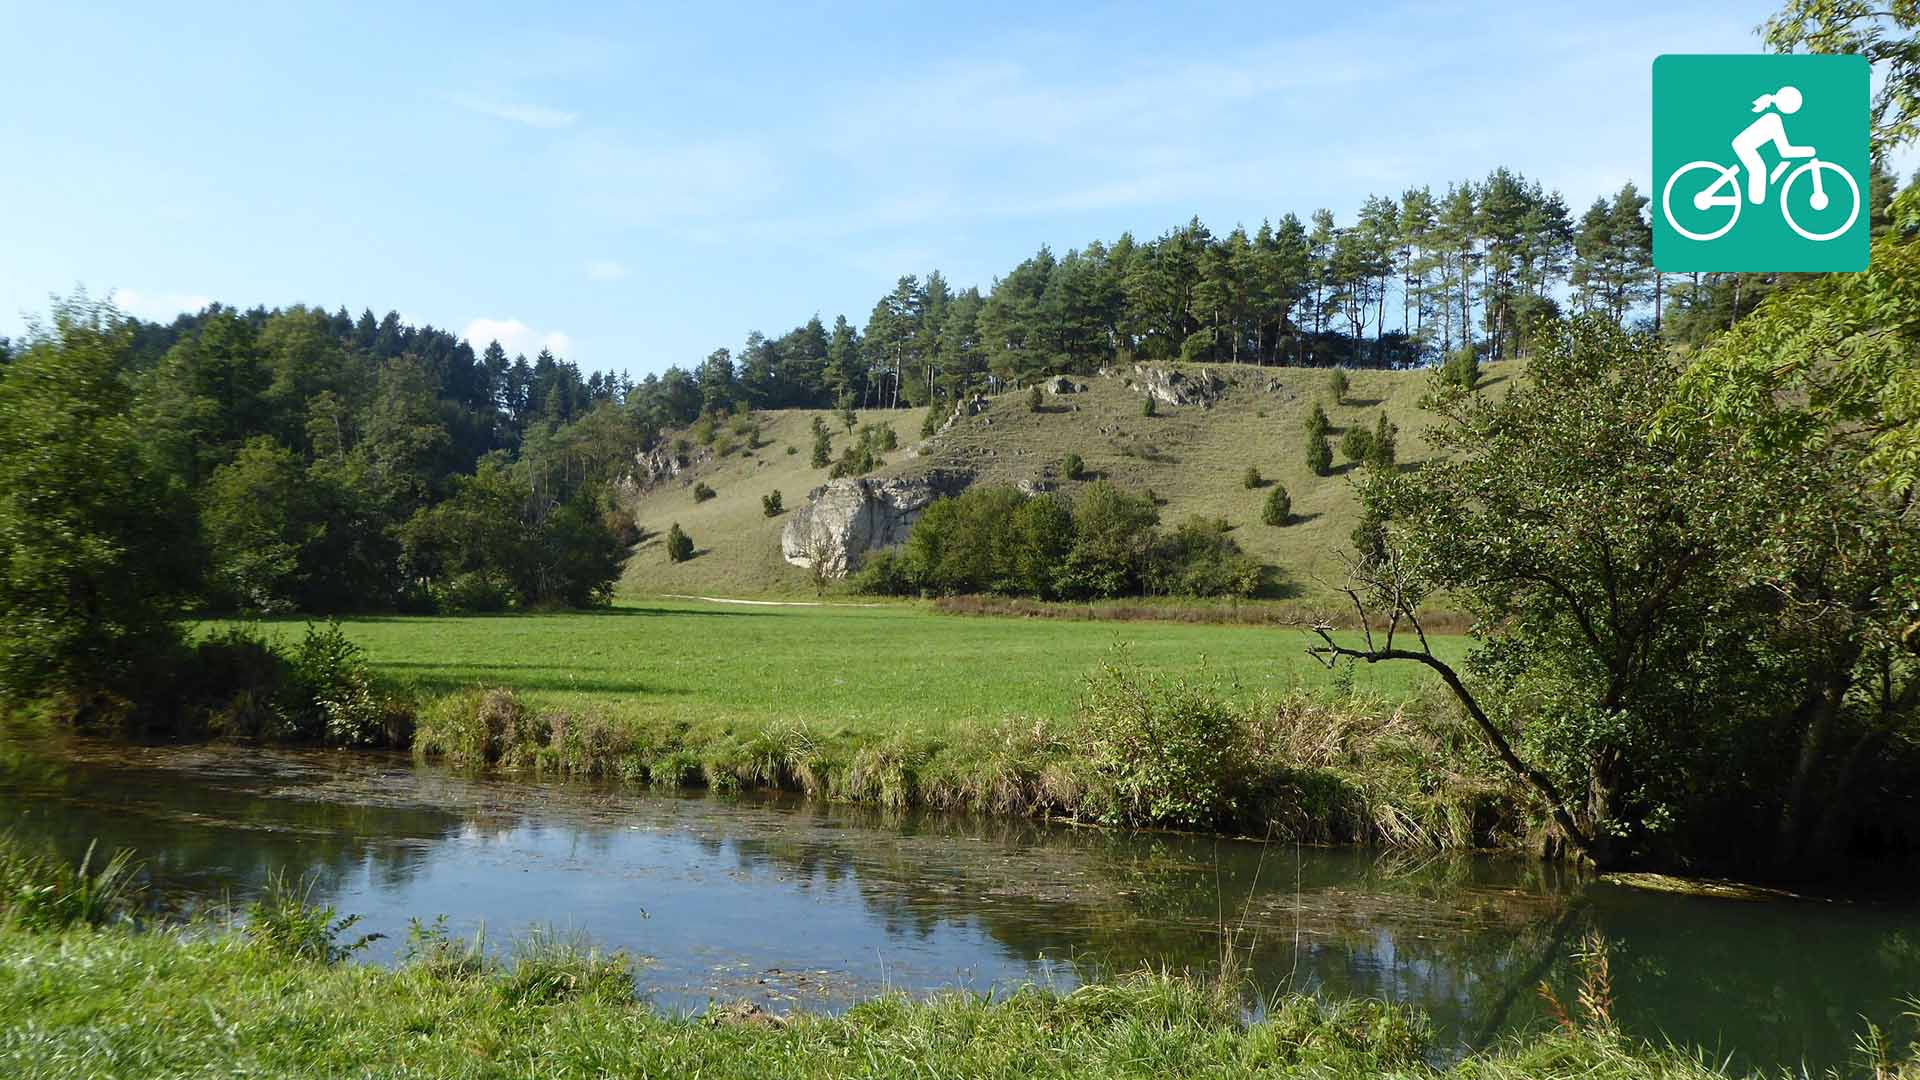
(797, 904)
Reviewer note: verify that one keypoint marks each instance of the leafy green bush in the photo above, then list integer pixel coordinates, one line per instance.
(883, 574)
(1148, 407)
(1462, 368)
(1252, 479)
(475, 591)
(284, 921)
(1338, 384)
(1073, 467)
(333, 673)
(701, 492)
(1278, 509)
(770, 503)
(1160, 749)
(1200, 558)
(679, 544)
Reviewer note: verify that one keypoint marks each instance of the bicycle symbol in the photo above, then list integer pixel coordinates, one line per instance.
(1724, 191)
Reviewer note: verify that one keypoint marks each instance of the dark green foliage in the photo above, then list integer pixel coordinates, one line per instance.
(1105, 543)
(237, 684)
(1073, 467)
(1317, 423)
(493, 538)
(930, 425)
(1319, 455)
(701, 492)
(679, 544)
(1278, 507)
(1337, 385)
(862, 455)
(94, 537)
(1383, 451)
(822, 445)
(1356, 443)
(1149, 407)
(1252, 479)
(770, 503)
(1462, 368)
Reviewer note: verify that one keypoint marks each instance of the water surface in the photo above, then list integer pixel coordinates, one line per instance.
(804, 905)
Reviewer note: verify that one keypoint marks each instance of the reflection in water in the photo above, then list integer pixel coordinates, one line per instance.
(796, 903)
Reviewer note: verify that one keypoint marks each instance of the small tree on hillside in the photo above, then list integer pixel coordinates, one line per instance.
(1337, 385)
(822, 448)
(679, 544)
(1384, 450)
(1278, 509)
(848, 417)
(1035, 399)
(1147, 408)
(1356, 444)
(1252, 479)
(770, 503)
(1319, 455)
(1462, 369)
(1317, 423)
(1072, 467)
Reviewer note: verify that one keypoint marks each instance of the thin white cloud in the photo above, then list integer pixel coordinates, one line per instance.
(157, 307)
(516, 337)
(537, 116)
(605, 270)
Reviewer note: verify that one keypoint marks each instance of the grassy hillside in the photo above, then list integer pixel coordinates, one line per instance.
(1193, 459)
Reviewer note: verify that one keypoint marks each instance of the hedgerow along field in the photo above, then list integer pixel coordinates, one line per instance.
(865, 670)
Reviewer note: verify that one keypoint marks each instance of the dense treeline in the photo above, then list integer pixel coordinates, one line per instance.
(1102, 543)
(1411, 280)
(321, 463)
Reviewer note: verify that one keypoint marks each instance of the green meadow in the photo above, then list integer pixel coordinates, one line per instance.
(864, 669)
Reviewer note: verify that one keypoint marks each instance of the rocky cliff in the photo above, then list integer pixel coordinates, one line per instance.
(845, 519)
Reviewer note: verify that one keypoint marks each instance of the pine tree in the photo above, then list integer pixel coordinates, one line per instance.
(1319, 455)
(1278, 509)
(1317, 423)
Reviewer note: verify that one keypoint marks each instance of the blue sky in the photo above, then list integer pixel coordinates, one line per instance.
(639, 185)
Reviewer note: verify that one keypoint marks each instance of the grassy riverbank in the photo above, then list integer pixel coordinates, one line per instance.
(114, 1003)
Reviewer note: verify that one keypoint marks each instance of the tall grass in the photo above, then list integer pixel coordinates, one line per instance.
(1144, 748)
(39, 890)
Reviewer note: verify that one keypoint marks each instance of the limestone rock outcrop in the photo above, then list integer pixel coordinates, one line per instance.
(846, 519)
(1173, 387)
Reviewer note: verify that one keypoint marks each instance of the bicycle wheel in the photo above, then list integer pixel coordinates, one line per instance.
(1722, 174)
(1786, 202)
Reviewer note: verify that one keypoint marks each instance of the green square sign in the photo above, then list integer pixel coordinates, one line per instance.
(1759, 163)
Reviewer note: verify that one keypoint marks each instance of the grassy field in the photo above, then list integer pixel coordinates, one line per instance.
(1193, 458)
(872, 669)
(114, 1003)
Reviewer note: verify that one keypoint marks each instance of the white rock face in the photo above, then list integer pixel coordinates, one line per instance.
(845, 519)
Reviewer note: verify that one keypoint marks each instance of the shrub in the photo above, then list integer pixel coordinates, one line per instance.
(1337, 384)
(39, 890)
(1462, 369)
(770, 503)
(723, 445)
(1317, 423)
(1161, 749)
(1200, 558)
(481, 591)
(1278, 509)
(1384, 450)
(284, 921)
(885, 574)
(930, 424)
(679, 544)
(701, 492)
(886, 438)
(1356, 444)
(1035, 398)
(822, 446)
(1148, 408)
(334, 674)
(1319, 455)
(1072, 467)
(1252, 479)
(621, 526)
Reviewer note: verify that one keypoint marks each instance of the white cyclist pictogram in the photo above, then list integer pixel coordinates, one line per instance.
(1717, 185)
